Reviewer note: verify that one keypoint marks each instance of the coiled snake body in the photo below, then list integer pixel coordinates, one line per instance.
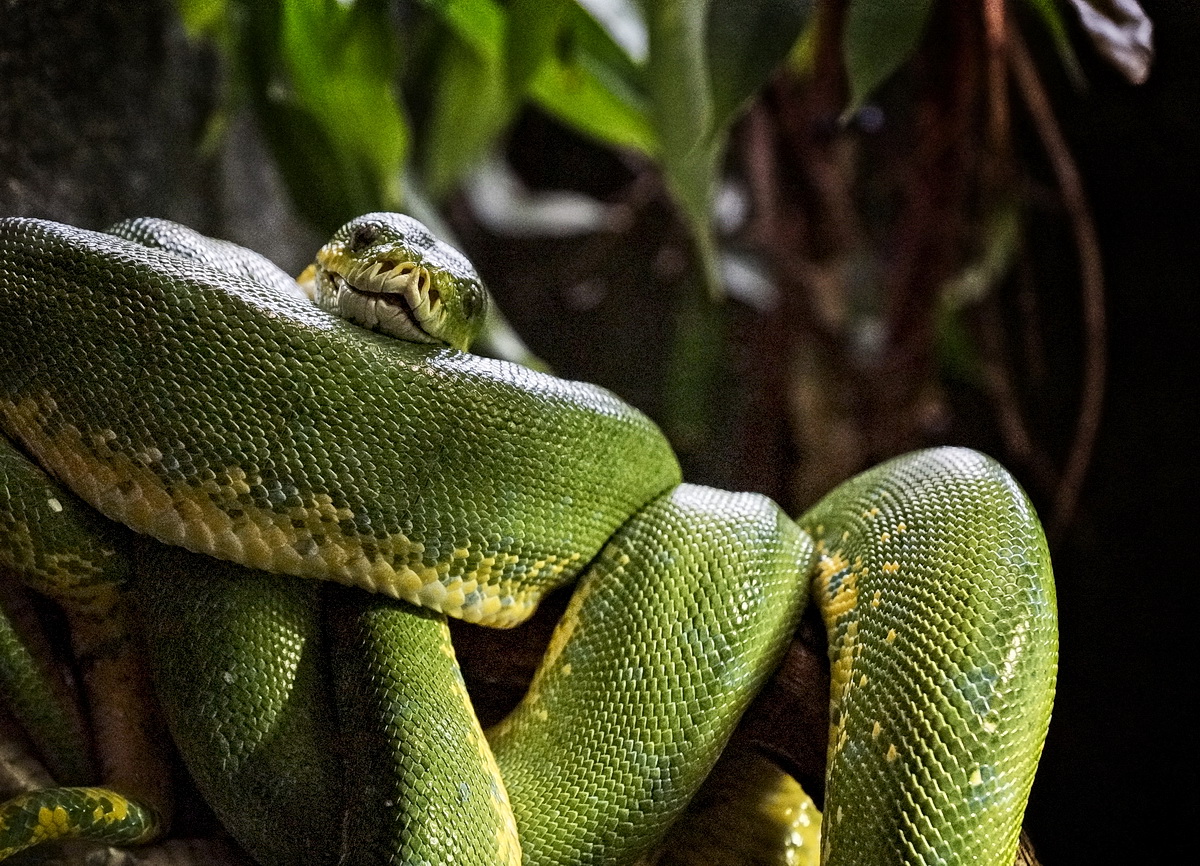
(203, 402)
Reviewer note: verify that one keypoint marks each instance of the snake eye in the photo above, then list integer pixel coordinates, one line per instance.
(363, 236)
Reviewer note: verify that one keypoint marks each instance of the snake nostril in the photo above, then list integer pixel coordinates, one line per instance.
(434, 296)
(386, 265)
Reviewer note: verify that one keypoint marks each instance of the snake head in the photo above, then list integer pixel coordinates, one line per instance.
(388, 273)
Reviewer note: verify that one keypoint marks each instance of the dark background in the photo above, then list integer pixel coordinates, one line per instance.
(101, 109)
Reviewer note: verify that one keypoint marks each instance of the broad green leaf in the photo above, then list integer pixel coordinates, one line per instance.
(706, 60)
(880, 36)
(478, 23)
(678, 77)
(323, 191)
(682, 114)
(570, 66)
(532, 38)
(470, 109)
(746, 42)
(1122, 32)
(578, 96)
(340, 62)
(319, 75)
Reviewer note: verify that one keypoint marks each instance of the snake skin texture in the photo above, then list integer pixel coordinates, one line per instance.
(370, 461)
(929, 581)
(641, 687)
(175, 388)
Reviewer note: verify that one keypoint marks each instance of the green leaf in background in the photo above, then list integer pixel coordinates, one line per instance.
(678, 78)
(472, 103)
(342, 61)
(571, 67)
(471, 108)
(578, 96)
(478, 23)
(682, 114)
(320, 75)
(532, 37)
(880, 36)
(746, 42)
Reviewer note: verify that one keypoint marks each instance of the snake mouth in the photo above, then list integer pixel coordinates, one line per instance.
(390, 297)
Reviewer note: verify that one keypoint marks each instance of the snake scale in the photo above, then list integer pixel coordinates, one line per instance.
(188, 433)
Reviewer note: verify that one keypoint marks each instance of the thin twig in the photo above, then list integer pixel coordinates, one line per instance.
(1014, 432)
(996, 39)
(1091, 278)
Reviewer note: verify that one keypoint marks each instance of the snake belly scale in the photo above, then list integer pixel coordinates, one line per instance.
(208, 407)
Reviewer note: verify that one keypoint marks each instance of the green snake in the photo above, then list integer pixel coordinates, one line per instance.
(187, 390)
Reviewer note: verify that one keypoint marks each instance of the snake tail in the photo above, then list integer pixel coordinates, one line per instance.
(91, 814)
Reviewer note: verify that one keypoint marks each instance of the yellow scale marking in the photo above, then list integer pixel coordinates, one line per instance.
(192, 516)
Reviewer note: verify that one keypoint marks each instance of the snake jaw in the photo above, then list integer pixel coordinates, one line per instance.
(397, 304)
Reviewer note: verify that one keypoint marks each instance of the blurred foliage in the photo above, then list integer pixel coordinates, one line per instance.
(395, 104)
(351, 92)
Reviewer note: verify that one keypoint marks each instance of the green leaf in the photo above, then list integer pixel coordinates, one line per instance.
(571, 67)
(880, 36)
(533, 32)
(578, 96)
(478, 23)
(471, 107)
(323, 191)
(340, 63)
(746, 42)
(319, 75)
(706, 60)
(682, 114)
(678, 77)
